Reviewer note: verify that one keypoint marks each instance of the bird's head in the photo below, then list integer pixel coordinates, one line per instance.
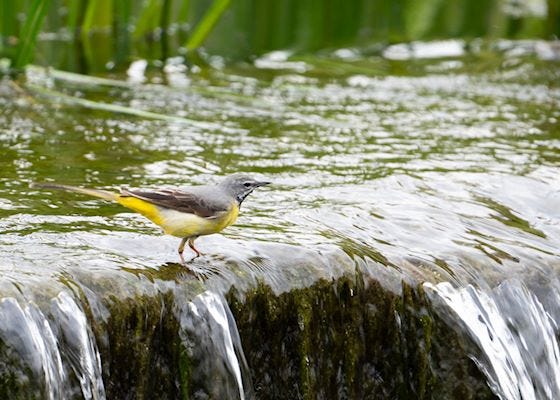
(240, 186)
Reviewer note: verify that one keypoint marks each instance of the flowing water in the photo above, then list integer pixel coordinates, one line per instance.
(425, 163)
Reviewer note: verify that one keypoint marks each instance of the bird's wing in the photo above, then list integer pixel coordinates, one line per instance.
(179, 200)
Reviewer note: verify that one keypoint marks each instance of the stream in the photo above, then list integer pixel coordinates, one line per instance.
(418, 188)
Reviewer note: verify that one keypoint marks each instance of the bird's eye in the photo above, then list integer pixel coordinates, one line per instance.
(247, 184)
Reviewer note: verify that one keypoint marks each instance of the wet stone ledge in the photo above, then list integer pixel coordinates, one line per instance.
(350, 339)
(163, 335)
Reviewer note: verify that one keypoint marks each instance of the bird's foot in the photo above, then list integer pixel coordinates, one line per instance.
(183, 263)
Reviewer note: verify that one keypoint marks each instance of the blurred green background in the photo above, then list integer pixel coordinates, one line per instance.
(96, 35)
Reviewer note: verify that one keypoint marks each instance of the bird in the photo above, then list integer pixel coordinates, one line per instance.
(187, 212)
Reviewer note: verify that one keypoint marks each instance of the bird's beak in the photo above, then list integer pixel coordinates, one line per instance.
(263, 183)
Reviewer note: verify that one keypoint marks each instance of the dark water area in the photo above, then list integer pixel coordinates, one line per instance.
(408, 246)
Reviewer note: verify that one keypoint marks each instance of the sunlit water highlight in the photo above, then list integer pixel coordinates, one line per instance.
(442, 171)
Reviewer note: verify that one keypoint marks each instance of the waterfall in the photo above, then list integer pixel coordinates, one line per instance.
(28, 332)
(208, 328)
(79, 346)
(515, 335)
(53, 345)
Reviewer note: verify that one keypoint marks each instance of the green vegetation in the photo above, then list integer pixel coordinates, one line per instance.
(144, 351)
(93, 35)
(348, 335)
(355, 337)
(29, 32)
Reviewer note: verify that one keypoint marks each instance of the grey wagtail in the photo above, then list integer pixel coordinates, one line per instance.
(186, 212)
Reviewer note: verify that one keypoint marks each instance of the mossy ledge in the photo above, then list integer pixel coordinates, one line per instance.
(344, 337)
(351, 338)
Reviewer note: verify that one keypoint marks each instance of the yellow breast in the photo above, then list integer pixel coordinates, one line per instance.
(181, 224)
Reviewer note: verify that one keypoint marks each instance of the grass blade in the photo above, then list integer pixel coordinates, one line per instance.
(75, 11)
(8, 22)
(98, 15)
(114, 108)
(29, 32)
(123, 12)
(87, 81)
(149, 20)
(204, 27)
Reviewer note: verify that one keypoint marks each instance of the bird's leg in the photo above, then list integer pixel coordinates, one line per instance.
(181, 248)
(191, 245)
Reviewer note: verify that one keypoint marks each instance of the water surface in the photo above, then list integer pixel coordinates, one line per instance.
(440, 168)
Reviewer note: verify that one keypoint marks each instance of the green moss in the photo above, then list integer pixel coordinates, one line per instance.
(304, 316)
(144, 357)
(184, 372)
(347, 339)
(17, 380)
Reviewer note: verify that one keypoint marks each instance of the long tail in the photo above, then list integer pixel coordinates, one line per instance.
(103, 194)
